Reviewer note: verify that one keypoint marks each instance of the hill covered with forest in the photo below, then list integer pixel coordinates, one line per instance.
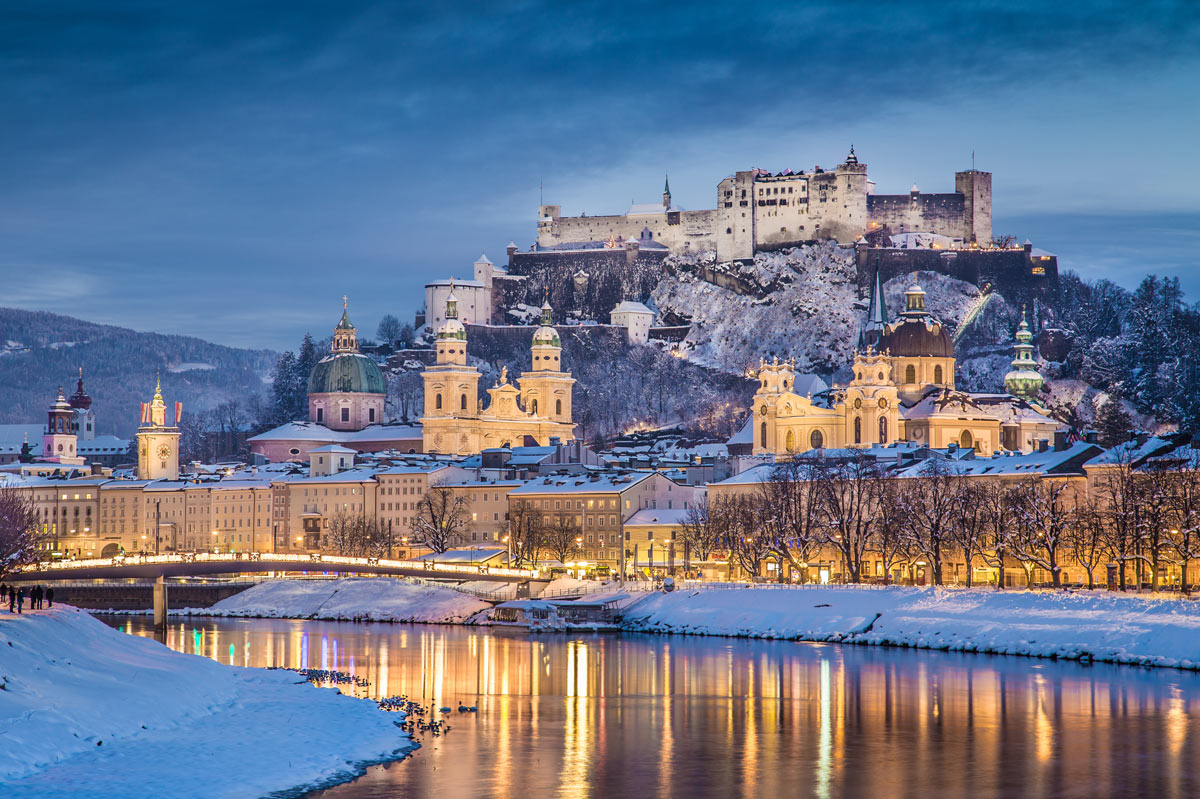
(41, 351)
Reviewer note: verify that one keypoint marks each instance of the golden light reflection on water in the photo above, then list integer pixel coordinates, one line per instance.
(599, 716)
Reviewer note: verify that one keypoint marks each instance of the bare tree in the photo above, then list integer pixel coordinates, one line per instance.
(788, 507)
(526, 534)
(999, 502)
(1153, 521)
(890, 540)
(441, 518)
(849, 507)
(748, 545)
(1185, 507)
(355, 536)
(20, 531)
(405, 394)
(1085, 537)
(701, 528)
(931, 500)
(1045, 517)
(970, 526)
(561, 537)
(1118, 491)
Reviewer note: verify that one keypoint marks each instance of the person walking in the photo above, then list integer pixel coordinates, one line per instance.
(33, 598)
(12, 600)
(49, 597)
(20, 598)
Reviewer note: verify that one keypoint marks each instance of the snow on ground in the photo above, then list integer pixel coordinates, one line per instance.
(363, 599)
(86, 710)
(1074, 625)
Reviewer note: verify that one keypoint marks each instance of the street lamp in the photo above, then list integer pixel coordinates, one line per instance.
(508, 551)
(216, 548)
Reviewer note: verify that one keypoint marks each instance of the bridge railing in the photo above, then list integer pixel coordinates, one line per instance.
(288, 562)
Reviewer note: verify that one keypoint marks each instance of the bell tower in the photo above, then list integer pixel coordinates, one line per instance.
(158, 442)
(59, 441)
(545, 388)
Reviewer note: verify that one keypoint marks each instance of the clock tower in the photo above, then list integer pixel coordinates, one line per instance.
(158, 444)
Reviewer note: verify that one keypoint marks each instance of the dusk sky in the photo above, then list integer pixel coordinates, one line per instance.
(231, 170)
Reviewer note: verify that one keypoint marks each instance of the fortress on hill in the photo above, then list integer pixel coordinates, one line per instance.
(761, 211)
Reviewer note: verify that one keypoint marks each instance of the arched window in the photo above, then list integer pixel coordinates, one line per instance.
(462, 403)
(791, 441)
(937, 374)
(966, 440)
(910, 374)
(763, 429)
(857, 429)
(816, 440)
(883, 430)
(533, 406)
(558, 407)
(437, 402)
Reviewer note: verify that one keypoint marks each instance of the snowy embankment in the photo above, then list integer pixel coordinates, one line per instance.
(86, 710)
(1072, 625)
(362, 599)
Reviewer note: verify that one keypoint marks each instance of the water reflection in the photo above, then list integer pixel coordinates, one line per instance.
(608, 715)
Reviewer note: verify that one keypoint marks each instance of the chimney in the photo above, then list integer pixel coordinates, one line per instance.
(1060, 440)
(1091, 436)
(1043, 444)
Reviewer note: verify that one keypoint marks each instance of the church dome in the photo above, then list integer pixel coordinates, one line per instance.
(915, 338)
(346, 373)
(916, 334)
(80, 399)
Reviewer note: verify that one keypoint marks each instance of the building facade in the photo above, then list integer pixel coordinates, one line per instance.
(758, 210)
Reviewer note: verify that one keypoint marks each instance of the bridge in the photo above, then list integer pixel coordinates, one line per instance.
(203, 563)
(159, 567)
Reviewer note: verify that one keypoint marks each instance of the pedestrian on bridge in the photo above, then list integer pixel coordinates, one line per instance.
(49, 597)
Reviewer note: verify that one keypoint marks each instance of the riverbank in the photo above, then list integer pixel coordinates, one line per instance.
(1074, 625)
(86, 710)
(1077, 625)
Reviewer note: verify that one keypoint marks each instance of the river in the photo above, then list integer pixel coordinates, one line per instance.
(631, 715)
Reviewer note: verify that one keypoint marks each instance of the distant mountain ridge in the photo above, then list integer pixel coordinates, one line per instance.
(40, 351)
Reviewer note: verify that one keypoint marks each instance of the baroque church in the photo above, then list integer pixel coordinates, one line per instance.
(346, 406)
(902, 390)
(534, 409)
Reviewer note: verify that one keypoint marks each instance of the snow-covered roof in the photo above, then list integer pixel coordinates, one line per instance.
(470, 555)
(334, 448)
(755, 474)
(745, 435)
(629, 306)
(471, 284)
(311, 431)
(671, 516)
(582, 484)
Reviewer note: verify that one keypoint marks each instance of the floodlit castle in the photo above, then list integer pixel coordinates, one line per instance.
(455, 421)
(760, 210)
(902, 390)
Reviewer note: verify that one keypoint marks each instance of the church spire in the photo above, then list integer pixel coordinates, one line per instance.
(1024, 380)
(345, 335)
(667, 192)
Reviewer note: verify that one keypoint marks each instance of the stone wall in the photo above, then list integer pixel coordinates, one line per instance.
(611, 278)
(934, 213)
(1012, 272)
(139, 596)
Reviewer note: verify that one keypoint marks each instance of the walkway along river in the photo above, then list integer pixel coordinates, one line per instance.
(627, 715)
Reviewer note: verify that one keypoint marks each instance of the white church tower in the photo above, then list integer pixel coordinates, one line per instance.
(158, 443)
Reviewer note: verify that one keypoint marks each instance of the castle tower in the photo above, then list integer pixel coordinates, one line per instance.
(158, 442)
(976, 188)
(546, 389)
(346, 389)
(1024, 380)
(451, 389)
(59, 441)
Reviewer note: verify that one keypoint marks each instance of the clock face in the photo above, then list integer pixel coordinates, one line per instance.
(164, 452)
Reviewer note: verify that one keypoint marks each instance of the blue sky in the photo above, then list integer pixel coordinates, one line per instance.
(231, 170)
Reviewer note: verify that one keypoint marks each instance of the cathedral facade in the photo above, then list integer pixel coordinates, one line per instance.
(537, 406)
(902, 390)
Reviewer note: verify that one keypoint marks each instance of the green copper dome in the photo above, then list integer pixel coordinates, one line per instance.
(346, 372)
